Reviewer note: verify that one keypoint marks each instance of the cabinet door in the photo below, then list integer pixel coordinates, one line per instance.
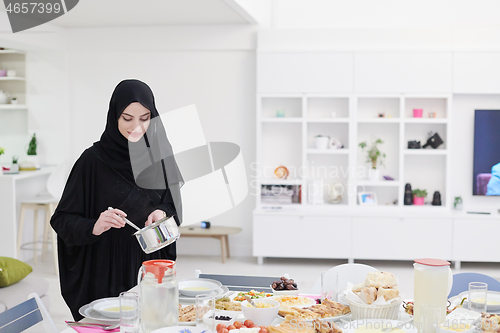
(476, 73)
(412, 72)
(476, 240)
(304, 72)
(401, 238)
(301, 236)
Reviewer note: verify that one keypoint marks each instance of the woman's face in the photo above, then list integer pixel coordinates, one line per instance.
(134, 121)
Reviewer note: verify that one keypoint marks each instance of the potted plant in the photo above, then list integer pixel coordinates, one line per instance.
(321, 141)
(418, 197)
(375, 156)
(14, 167)
(32, 156)
(457, 203)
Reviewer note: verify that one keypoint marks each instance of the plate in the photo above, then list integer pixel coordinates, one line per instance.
(492, 295)
(180, 329)
(89, 313)
(320, 319)
(310, 301)
(220, 291)
(493, 300)
(208, 286)
(377, 324)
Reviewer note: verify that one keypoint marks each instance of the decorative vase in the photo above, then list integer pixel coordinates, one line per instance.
(322, 142)
(459, 206)
(14, 167)
(418, 201)
(417, 113)
(373, 174)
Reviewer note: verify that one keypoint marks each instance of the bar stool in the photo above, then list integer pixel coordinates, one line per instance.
(46, 201)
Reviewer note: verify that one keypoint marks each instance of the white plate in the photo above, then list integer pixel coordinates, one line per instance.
(209, 284)
(493, 296)
(220, 291)
(180, 329)
(311, 302)
(320, 319)
(351, 327)
(89, 313)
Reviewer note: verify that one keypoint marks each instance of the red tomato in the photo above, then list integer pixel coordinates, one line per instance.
(224, 330)
(237, 324)
(248, 323)
(263, 329)
(231, 327)
(220, 327)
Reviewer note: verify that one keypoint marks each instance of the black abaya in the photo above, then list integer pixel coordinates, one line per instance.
(93, 267)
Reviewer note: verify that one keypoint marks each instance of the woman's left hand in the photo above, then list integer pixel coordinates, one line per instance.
(155, 216)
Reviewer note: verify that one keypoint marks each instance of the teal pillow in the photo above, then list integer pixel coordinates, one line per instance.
(12, 271)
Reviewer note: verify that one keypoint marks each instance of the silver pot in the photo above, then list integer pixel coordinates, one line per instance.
(158, 235)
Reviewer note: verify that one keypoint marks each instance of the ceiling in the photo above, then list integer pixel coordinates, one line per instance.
(109, 13)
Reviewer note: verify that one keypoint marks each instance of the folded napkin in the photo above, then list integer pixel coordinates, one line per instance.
(93, 329)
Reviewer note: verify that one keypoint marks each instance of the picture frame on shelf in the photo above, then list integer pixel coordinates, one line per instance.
(367, 198)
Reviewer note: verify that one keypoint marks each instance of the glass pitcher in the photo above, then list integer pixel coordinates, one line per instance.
(432, 284)
(159, 295)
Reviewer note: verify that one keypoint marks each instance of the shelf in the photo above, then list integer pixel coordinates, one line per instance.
(377, 183)
(12, 52)
(343, 151)
(328, 120)
(282, 120)
(12, 78)
(426, 120)
(425, 152)
(276, 181)
(378, 120)
(13, 107)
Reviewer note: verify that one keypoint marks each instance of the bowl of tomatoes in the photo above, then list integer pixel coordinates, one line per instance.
(237, 326)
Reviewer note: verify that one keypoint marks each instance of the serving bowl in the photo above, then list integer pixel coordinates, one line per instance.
(108, 307)
(284, 292)
(194, 287)
(261, 316)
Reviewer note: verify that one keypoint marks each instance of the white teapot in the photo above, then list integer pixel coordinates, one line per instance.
(4, 96)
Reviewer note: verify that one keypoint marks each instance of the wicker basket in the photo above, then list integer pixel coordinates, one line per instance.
(365, 311)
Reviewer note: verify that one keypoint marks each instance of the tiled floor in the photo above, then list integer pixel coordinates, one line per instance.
(304, 271)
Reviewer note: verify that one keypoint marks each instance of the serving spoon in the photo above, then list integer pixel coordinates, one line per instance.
(250, 301)
(127, 221)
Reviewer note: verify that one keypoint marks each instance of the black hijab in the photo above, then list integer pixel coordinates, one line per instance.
(149, 162)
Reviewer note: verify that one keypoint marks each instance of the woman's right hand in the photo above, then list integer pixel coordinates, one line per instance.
(107, 220)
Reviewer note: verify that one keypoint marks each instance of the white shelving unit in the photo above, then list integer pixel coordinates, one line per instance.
(288, 140)
(14, 117)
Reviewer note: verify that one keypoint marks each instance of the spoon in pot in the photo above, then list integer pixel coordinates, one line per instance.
(127, 221)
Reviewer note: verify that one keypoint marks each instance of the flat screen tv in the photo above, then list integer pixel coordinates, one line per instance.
(486, 168)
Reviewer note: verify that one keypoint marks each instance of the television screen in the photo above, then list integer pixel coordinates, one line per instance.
(486, 168)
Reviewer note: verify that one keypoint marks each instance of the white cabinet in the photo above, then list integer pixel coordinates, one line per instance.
(401, 238)
(304, 72)
(476, 239)
(476, 73)
(301, 236)
(411, 72)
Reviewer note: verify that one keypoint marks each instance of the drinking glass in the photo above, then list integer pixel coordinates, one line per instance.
(129, 312)
(329, 285)
(431, 318)
(205, 312)
(478, 293)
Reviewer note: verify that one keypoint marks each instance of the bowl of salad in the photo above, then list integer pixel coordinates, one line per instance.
(252, 294)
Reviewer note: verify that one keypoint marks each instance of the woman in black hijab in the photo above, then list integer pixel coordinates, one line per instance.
(133, 170)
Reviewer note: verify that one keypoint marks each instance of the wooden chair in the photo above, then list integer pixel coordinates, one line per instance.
(25, 315)
(242, 282)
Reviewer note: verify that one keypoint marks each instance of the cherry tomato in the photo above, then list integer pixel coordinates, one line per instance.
(237, 324)
(224, 330)
(248, 323)
(231, 327)
(220, 327)
(263, 329)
